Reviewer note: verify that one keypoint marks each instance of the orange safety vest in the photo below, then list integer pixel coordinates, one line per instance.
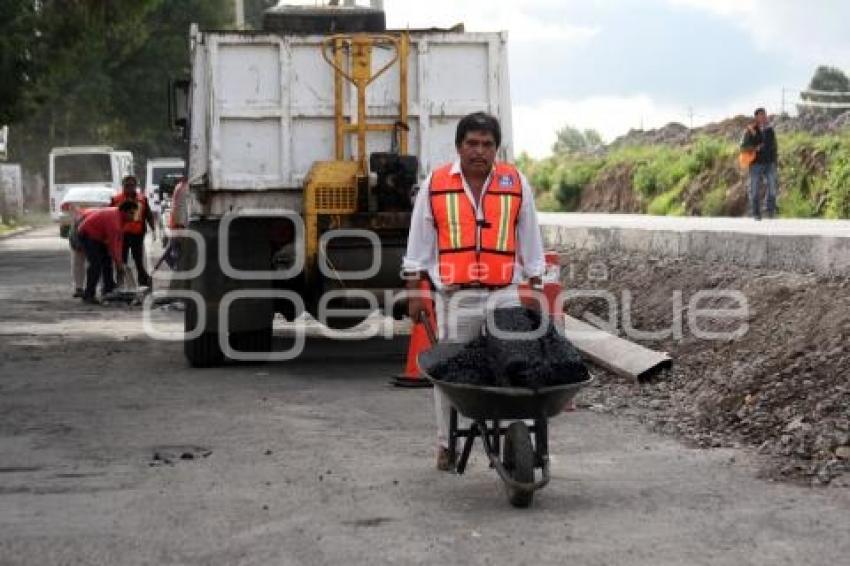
(473, 252)
(137, 224)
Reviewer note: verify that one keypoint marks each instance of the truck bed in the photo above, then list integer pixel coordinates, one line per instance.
(263, 104)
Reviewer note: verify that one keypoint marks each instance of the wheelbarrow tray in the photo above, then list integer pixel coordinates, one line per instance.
(505, 403)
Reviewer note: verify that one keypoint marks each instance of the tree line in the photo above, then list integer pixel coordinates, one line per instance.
(92, 72)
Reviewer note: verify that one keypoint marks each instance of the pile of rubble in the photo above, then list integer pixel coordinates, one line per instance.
(814, 122)
(783, 388)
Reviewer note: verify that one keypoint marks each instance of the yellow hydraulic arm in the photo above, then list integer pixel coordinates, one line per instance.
(331, 186)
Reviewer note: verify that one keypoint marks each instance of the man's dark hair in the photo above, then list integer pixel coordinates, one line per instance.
(128, 206)
(129, 179)
(759, 111)
(478, 122)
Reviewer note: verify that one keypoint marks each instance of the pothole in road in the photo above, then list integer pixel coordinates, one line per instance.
(172, 454)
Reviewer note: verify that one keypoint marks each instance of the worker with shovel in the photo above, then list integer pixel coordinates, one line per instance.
(474, 233)
(101, 236)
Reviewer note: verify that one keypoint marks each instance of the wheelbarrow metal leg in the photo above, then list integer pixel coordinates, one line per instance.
(474, 430)
(497, 437)
(541, 442)
(453, 435)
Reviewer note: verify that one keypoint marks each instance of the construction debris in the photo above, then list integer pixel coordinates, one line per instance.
(782, 388)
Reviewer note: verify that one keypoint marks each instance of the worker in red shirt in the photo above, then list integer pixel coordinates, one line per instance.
(101, 235)
(134, 230)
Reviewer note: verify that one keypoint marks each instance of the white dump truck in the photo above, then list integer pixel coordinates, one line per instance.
(306, 144)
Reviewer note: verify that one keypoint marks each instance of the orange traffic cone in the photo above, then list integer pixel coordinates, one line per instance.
(422, 337)
(551, 286)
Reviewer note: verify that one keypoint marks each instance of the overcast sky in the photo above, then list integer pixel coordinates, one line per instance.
(619, 64)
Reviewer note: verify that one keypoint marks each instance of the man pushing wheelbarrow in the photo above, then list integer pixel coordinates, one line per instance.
(474, 236)
(474, 233)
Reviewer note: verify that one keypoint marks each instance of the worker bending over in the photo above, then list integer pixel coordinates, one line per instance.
(101, 236)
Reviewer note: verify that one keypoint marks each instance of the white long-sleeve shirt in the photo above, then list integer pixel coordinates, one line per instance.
(422, 251)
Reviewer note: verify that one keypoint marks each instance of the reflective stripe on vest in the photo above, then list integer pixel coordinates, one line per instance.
(468, 254)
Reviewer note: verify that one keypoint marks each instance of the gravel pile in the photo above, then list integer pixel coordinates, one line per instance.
(783, 388)
(497, 360)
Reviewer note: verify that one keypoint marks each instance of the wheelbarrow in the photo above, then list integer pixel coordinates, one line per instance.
(515, 451)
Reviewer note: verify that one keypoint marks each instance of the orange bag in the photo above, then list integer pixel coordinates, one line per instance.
(746, 158)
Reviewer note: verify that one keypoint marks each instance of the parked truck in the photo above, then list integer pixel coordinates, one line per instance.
(155, 170)
(306, 144)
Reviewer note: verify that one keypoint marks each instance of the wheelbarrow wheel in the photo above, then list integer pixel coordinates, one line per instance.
(518, 459)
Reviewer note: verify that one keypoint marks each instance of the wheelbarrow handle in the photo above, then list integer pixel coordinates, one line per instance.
(423, 318)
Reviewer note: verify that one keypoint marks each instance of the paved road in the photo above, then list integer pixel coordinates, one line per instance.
(317, 461)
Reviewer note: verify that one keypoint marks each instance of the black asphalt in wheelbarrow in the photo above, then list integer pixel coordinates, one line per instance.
(516, 459)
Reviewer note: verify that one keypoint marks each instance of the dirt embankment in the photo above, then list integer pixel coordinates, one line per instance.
(721, 189)
(783, 387)
(611, 191)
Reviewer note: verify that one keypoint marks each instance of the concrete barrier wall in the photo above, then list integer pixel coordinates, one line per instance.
(805, 247)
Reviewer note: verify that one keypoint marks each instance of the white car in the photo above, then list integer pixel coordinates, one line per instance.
(90, 167)
(81, 197)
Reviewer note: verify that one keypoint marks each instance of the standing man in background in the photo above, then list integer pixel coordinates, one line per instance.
(134, 230)
(762, 139)
(474, 233)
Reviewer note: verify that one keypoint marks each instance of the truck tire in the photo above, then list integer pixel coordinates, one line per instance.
(252, 341)
(203, 351)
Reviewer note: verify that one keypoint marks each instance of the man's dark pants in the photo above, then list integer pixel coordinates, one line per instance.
(768, 172)
(136, 243)
(99, 263)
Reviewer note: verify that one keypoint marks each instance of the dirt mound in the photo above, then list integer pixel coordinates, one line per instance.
(842, 122)
(816, 122)
(782, 388)
(730, 129)
(673, 133)
(611, 191)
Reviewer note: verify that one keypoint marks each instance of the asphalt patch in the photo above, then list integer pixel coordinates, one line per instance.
(497, 359)
(172, 454)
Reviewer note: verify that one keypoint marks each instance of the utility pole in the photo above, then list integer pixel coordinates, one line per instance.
(691, 117)
(239, 11)
(782, 106)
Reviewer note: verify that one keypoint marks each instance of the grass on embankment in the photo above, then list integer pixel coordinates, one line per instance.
(29, 220)
(701, 178)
